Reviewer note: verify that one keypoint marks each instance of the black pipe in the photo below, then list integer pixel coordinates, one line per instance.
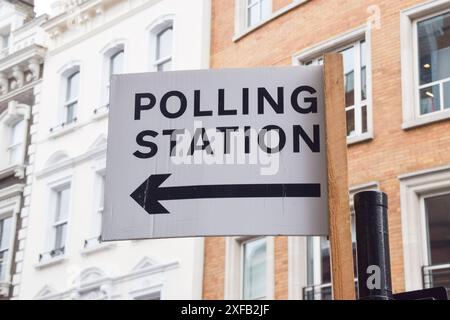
(372, 240)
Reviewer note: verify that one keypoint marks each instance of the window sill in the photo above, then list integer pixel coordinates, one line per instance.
(63, 131)
(273, 16)
(50, 262)
(100, 115)
(365, 137)
(96, 248)
(18, 170)
(426, 119)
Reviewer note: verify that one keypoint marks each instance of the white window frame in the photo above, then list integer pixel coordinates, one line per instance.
(258, 3)
(409, 62)
(240, 16)
(414, 188)
(64, 222)
(13, 114)
(339, 43)
(162, 60)
(110, 50)
(17, 145)
(234, 267)
(62, 181)
(10, 206)
(154, 29)
(60, 126)
(98, 173)
(242, 264)
(75, 101)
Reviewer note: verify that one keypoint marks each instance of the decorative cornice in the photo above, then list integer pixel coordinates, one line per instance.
(69, 163)
(11, 191)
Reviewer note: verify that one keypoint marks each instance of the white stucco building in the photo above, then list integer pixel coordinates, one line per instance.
(88, 40)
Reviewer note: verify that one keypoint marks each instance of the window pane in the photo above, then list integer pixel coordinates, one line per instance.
(253, 15)
(17, 132)
(438, 216)
(434, 48)
(363, 71)
(325, 260)
(5, 233)
(447, 95)
(254, 278)
(265, 9)
(310, 260)
(70, 112)
(72, 87)
(62, 208)
(60, 236)
(430, 99)
(364, 118)
(350, 114)
(166, 66)
(349, 76)
(117, 63)
(164, 44)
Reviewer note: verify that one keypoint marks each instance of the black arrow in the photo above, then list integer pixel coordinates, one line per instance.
(149, 193)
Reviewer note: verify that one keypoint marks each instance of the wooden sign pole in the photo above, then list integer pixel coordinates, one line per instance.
(338, 200)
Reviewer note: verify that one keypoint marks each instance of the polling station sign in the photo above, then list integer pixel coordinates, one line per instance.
(216, 153)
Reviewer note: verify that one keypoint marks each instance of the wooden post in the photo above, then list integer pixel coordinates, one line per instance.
(338, 200)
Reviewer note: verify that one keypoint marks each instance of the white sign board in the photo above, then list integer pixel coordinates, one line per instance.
(216, 153)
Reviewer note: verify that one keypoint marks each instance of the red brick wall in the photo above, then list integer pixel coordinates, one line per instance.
(392, 152)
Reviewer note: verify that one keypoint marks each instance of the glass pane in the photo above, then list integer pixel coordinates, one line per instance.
(254, 278)
(62, 205)
(447, 95)
(349, 76)
(325, 260)
(60, 235)
(364, 118)
(363, 71)
(265, 9)
(166, 66)
(17, 132)
(117, 63)
(253, 15)
(70, 112)
(434, 48)
(5, 233)
(310, 260)
(2, 265)
(438, 216)
(350, 115)
(164, 44)
(14, 154)
(72, 86)
(430, 100)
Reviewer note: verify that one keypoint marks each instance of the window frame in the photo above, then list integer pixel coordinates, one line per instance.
(75, 101)
(414, 188)
(359, 104)
(242, 244)
(233, 286)
(409, 63)
(7, 256)
(426, 250)
(57, 193)
(19, 145)
(261, 18)
(337, 44)
(417, 86)
(157, 62)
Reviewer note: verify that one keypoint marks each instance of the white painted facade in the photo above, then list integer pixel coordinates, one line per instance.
(83, 37)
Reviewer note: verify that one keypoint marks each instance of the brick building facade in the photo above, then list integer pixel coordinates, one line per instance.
(396, 60)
